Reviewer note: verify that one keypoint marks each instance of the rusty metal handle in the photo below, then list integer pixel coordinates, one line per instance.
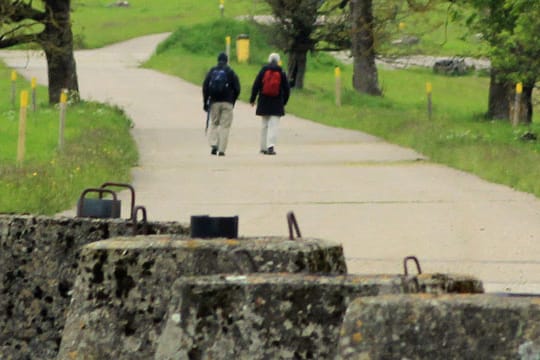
(413, 258)
(100, 191)
(142, 209)
(291, 221)
(128, 186)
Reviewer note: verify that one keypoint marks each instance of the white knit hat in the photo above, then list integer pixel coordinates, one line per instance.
(274, 57)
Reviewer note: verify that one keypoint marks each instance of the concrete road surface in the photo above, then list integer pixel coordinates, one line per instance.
(381, 201)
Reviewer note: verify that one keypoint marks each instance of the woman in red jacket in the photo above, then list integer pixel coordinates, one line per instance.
(271, 90)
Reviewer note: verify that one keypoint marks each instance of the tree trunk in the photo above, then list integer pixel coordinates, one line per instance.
(503, 101)
(528, 101)
(500, 97)
(522, 103)
(296, 68)
(365, 78)
(57, 42)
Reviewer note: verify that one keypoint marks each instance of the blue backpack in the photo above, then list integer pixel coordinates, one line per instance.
(219, 83)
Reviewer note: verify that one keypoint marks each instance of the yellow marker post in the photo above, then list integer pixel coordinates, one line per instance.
(429, 91)
(222, 7)
(21, 143)
(13, 87)
(63, 96)
(34, 86)
(61, 126)
(401, 26)
(228, 46)
(337, 75)
(242, 48)
(517, 104)
(429, 88)
(519, 88)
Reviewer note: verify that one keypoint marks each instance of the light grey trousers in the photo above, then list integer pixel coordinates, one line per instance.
(269, 131)
(221, 117)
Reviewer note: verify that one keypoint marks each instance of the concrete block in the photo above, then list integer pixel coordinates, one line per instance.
(264, 316)
(124, 287)
(38, 265)
(441, 327)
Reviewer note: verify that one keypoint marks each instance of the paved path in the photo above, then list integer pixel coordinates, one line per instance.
(381, 201)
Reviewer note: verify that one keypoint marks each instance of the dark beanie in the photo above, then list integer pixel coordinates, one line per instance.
(222, 58)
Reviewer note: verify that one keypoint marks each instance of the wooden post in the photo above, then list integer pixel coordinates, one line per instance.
(34, 84)
(21, 143)
(337, 75)
(228, 46)
(13, 87)
(63, 105)
(429, 90)
(517, 104)
(222, 7)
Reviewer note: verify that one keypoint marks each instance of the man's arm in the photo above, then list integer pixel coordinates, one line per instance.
(205, 90)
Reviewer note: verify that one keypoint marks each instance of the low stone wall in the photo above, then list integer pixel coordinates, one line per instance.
(273, 316)
(293, 313)
(38, 264)
(123, 291)
(441, 327)
(67, 293)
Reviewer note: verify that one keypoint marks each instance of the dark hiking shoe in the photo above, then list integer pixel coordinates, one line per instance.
(214, 150)
(221, 153)
(270, 151)
(263, 152)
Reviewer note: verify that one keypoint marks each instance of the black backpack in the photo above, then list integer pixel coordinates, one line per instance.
(219, 83)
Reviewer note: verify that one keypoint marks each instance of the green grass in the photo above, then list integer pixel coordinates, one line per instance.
(438, 33)
(96, 23)
(97, 148)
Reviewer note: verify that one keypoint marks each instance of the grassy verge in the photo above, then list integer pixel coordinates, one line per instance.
(96, 23)
(437, 32)
(97, 148)
(457, 135)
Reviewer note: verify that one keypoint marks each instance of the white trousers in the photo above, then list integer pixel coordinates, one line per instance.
(269, 131)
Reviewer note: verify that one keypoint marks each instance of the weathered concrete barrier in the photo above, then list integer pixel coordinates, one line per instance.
(123, 291)
(38, 264)
(124, 305)
(272, 316)
(441, 327)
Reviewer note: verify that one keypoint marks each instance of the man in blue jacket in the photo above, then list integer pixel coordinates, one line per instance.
(271, 87)
(221, 88)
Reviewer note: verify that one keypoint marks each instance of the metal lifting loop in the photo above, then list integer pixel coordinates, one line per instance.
(142, 210)
(291, 221)
(131, 190)
(413, 258)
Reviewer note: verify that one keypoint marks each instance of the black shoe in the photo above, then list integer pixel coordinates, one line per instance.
(214, 150)
(263, 152)
(270, 151)
(221, 153)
